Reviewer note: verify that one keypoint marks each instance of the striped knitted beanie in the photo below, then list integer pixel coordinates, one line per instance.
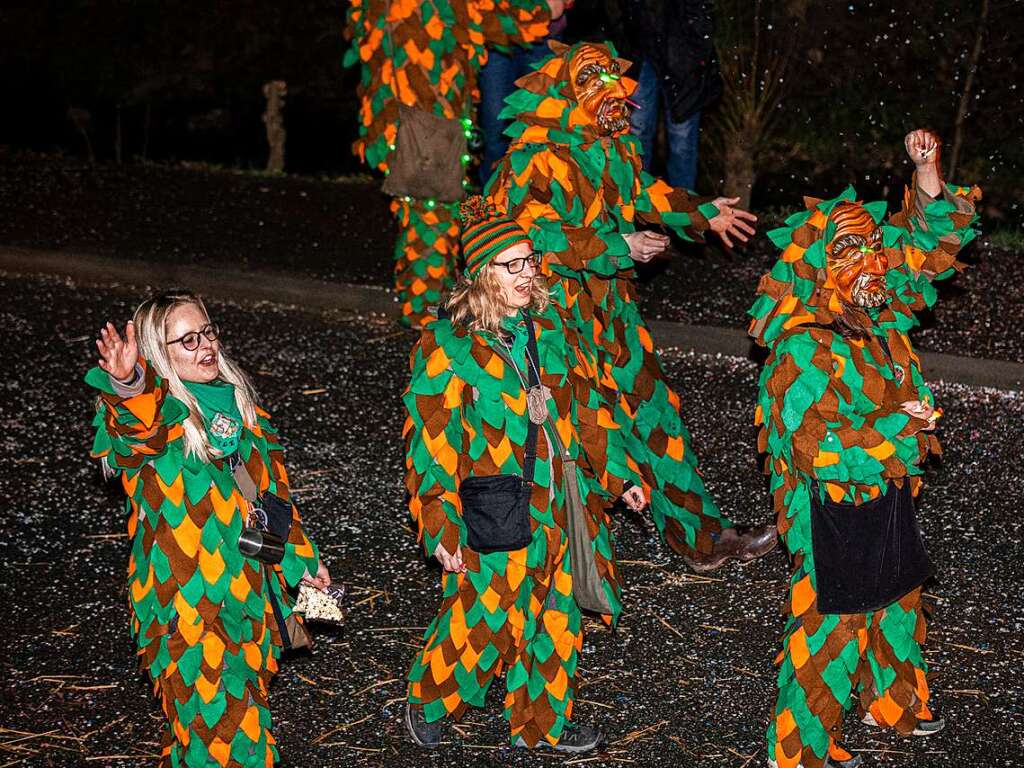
(485, 233)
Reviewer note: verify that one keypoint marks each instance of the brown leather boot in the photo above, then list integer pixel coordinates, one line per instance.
(743, 544)
(757, 542)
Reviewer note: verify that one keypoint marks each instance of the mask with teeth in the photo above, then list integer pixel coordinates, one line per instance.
(855, 259)
(596, 79)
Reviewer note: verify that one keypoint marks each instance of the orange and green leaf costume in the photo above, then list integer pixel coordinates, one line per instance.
(426, 54)
(511, 611)
(830, 413)
(577, 192)
(201, 612)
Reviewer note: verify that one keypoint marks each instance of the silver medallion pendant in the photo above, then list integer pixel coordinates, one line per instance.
(537, 403)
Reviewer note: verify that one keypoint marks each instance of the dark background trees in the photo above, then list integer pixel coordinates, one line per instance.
(841, 83)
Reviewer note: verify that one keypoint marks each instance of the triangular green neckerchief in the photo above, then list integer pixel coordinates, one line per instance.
(220, 412)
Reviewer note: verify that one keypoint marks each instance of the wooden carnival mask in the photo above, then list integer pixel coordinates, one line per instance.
(599, 88)
(855, 258)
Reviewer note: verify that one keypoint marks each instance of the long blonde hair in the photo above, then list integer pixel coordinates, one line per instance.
(479, 305)
(151, 331)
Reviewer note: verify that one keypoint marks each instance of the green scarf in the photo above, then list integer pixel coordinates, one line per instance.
(220, 412)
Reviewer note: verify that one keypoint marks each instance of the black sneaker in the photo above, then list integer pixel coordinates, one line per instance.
(575, 738)
(923, 727)
(423, 734)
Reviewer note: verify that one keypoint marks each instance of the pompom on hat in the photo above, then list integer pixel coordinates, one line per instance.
(486, 232)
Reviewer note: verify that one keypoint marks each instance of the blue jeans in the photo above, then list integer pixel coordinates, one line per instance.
(683, 137)
(497, 81)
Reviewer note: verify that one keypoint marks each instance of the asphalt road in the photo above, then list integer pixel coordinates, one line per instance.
(686, 680)
(340, 231)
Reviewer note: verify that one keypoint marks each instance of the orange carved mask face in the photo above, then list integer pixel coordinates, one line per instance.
(855, 258)
(598, 87)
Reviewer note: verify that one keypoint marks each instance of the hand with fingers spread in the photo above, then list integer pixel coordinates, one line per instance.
(732, 222)
(644, 246)
(450, 562)
(634, 498)
(118, 356)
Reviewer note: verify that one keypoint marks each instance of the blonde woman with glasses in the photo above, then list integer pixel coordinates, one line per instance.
(204, 474)
(503, 438)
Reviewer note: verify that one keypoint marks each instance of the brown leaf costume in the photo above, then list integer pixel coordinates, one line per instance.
(577, 189)
(426, 53)
(832, 423)
(202, 613)
(514, 611)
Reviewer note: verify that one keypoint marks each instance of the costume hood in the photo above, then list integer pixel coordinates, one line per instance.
(920, 249)
(544, 108)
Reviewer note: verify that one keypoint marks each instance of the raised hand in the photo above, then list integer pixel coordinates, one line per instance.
(644, 246)
(118, 356)
(923, 147)
(732, 222)
(557, 8)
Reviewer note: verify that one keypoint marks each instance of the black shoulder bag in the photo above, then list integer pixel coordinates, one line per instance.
(868, 556)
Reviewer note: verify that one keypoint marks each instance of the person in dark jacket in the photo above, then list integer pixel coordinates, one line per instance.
(671, 43)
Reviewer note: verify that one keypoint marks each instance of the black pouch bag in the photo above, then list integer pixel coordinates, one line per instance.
(869, 556)
(496, 511)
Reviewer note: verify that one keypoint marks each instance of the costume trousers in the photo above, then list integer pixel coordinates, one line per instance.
(605, 313)
(510, 611)
(213, 691)
(426, 255)
(829, 660)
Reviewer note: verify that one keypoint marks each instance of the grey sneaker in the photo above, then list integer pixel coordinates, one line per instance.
(575, 738)
(854, 762)
(423, 734)
(923, 727)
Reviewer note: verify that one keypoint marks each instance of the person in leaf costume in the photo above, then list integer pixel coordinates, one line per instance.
(847, 419)
(177, 421)
(469, 419)
(426, 54)
(572, 178)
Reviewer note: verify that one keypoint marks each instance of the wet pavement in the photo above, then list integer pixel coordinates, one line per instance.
(686, 680)
(340, 230)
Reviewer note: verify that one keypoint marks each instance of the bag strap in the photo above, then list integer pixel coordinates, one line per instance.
(533, 356)
(530, 450)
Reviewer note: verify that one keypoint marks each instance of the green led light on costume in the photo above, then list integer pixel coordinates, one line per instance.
(610, 78)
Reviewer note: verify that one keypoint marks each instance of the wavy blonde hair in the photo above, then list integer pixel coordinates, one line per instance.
(479, 304)
(151, 331)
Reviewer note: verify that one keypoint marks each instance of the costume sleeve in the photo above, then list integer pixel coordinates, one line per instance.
(301, 555)
(819, 421)
(684, 213)
(435, 439)
(505, 23)
(543, 196)
(133, 430)
(931, 231)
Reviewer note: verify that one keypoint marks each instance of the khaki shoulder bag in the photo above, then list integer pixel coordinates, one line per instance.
(427, 161)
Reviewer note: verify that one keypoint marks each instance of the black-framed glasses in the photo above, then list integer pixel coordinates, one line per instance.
(515, 266)
(190, 340)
